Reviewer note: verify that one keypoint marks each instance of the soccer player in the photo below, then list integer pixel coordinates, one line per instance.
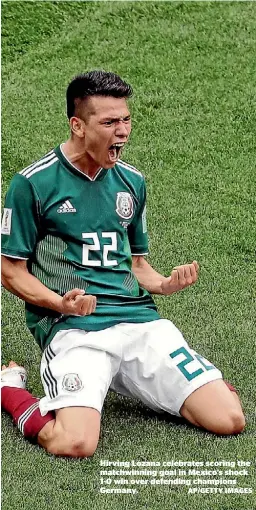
(74, 245)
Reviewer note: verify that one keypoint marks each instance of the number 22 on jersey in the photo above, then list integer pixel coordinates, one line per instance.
(87, 259)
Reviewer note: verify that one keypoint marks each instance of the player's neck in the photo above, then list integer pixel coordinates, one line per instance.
(80, 159)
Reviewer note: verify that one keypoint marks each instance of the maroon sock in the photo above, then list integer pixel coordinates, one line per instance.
(24, 409)
(230, 387)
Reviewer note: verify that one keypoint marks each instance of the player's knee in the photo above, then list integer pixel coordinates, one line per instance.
(232, 423)
(82, 447)
(68, 445)
(237, 421)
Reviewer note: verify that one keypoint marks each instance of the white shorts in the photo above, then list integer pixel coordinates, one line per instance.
(150, 361)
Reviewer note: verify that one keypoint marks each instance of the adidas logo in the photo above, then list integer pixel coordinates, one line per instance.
(67, 207)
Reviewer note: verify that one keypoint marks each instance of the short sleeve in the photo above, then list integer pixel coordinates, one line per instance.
(137, 230)
(20, 221)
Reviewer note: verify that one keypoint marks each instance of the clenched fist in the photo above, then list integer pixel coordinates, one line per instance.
(181, 277)
(76, 302)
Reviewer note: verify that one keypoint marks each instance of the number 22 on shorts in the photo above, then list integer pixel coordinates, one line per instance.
(188, 359)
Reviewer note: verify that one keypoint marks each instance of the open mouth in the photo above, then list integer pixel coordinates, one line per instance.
(115, 150)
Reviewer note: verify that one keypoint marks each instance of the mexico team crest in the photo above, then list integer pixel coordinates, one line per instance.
(124, 205)
(72, 382)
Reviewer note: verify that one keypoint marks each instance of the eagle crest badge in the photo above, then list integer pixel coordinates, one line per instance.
(72, 382)
(124, 205)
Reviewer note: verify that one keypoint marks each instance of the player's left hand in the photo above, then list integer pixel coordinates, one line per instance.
(181, 277)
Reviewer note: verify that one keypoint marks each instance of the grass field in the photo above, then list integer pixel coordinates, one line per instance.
(192, 66)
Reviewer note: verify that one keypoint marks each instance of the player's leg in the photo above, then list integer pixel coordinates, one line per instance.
(189, 416)
(215, 408)
(160, 369)
(74, 433)
(76, 374)
(20, 404)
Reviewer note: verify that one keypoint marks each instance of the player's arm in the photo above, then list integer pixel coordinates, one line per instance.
(17, 279)
(153, 282)
(21, 225)
(180, 278)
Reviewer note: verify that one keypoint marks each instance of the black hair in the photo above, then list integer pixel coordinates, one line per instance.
(95, 83)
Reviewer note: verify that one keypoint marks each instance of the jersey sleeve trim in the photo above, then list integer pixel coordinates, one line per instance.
(21, 257)
(139, 254)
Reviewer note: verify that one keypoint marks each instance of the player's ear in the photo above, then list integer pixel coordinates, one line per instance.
(77, 126)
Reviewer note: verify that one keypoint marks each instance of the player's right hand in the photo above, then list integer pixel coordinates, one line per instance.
(76, 302)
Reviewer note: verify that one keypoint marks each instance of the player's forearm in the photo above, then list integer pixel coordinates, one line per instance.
(147, 277)
(28, 288)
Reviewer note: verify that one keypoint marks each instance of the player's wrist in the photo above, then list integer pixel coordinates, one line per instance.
(57, 304)
(61, 306)
(166, 288)
(163, 287)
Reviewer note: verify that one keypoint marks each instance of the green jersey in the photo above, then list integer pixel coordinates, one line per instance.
(78, 232)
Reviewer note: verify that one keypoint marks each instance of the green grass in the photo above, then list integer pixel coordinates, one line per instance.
(192, 66)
